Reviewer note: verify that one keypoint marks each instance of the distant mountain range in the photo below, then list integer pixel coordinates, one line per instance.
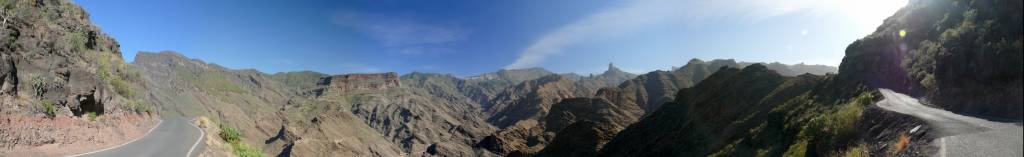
(408, 110)
(61, 76)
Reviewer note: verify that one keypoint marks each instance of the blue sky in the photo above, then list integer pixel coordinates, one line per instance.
(471, 37)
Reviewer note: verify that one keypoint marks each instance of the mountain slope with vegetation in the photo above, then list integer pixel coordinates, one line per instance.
(755, 111)
(962, 55)
(64, 87)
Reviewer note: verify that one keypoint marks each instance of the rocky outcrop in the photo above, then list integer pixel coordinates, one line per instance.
(64, 87)
(610, 78)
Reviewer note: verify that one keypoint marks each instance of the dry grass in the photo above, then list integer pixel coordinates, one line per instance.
(859, 151)
(901, 143)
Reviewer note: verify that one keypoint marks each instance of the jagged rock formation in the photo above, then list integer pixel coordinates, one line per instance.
(611, 77)
(64, 87)
(965, 56)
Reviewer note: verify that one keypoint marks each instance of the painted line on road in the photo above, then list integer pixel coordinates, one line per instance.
(942, 147)
(122, 144)
(202, 134)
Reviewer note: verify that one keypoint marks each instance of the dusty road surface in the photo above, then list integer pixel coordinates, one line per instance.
(174, 137)
(960, 135)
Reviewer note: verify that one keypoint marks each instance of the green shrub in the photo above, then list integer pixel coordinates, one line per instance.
(122, 88)
(138, 107)
(244, 150)
(39, 83)
(798, 148)
(234, 137)
(49, 109)
(91, 115)
(229, 134)
(858, 151)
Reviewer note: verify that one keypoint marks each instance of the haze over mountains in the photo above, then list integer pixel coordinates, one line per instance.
(65, 85)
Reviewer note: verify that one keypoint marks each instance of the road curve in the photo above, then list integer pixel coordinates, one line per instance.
(174, 137)
(960, 135)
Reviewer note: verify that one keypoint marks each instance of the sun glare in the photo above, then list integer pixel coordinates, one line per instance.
(868, 13)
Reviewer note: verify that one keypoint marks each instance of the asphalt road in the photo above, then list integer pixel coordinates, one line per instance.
(960, 135)
(174, 137)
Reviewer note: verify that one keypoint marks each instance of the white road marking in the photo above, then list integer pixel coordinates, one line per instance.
(201, 135)
(122, 144)
(942, 147)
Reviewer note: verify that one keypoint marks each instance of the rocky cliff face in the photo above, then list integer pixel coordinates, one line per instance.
(965, 56)
(63, 83)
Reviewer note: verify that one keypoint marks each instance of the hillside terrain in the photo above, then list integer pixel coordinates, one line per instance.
(289, 113)
(964, 56)
(64, 87)
(757, 112)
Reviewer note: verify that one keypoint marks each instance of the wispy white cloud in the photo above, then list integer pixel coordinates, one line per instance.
(632, 16)
(405, 34)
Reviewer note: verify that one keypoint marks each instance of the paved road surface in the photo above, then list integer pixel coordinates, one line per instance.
(174, 137)
(960, 135)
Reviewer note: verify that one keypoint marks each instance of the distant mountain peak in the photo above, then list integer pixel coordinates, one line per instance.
(612, 69)
(695, 61)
